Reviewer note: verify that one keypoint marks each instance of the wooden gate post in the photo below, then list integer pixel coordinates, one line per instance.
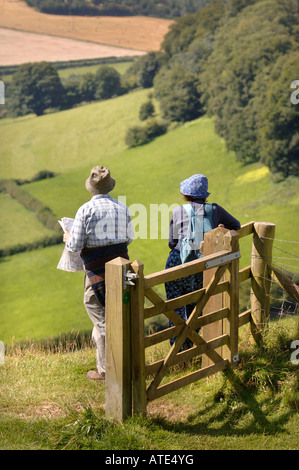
(213, 242)
(231, 300)
(261, 258)
(118, 380)
(137, 331)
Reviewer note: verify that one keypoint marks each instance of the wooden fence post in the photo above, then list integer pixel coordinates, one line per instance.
(137, 332)
(118, 380)
(231, 300)
(261, 258)
(213, 242)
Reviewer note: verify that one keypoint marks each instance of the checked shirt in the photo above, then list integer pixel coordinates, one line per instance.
(101, 221)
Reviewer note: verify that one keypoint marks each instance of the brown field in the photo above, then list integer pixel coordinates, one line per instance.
(19, 47)
(137, 32)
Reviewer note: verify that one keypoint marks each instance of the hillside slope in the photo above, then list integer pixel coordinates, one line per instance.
(47, 301)
(67, 139)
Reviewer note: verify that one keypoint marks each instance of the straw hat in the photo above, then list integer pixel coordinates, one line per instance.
(100, 181)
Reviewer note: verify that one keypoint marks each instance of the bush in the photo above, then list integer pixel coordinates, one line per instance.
(145, 68)
(155, 128)
(140, 135)
(136, 135)
(71, 92)
(146, 110)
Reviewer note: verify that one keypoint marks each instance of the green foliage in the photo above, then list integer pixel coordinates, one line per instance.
(159, 8)
(184, 31)
(145, 69)
(88, 87)
(140, 135)
(240, 69)
(242, 57)
(279, 119)
(34, 88)
(136, 135)
(177, 91)
(37, 87)
(146, 110)
(71, 92)
(107, 82)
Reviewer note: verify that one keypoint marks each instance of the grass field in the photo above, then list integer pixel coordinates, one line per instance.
(47, 403)
(20, 47)
(67, 140)
(22, 221)
(46, 400)
(47, 301)
(142, 33)
(121, 67)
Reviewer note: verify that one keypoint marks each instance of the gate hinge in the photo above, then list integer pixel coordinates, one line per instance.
(129, 278)
(222, 259)
(236, 358)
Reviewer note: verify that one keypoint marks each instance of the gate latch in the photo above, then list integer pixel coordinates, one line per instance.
(222, 260)
(129, 278)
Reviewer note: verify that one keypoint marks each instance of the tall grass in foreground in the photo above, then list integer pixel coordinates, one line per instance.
(264, 385)
(47, 403)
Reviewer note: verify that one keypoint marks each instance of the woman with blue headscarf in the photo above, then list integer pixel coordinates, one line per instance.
(208, 216)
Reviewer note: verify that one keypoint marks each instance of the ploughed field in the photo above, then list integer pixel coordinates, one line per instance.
(129, 35)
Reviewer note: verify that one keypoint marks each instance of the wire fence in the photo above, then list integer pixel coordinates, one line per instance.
(281, 304)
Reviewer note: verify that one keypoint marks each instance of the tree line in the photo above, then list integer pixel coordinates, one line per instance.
(156, 8)
(235, 60)
(36, 87)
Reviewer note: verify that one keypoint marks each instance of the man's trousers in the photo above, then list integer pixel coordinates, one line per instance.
(96, 313)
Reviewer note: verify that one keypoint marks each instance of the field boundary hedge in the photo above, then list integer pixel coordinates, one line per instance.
(43, 213)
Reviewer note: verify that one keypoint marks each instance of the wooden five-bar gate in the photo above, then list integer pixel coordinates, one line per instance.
(131, 382)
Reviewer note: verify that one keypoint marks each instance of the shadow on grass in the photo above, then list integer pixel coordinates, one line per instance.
(240, 413)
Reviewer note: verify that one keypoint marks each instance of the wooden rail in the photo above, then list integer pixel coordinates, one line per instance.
(131, 381)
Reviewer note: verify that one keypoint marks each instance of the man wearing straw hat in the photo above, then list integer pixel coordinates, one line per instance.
(102, 231)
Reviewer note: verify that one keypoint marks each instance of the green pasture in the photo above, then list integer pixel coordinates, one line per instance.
(37, 300)
(68, 139)
(150, 175)
(121, 67)
(16, 220)
(65, 72)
